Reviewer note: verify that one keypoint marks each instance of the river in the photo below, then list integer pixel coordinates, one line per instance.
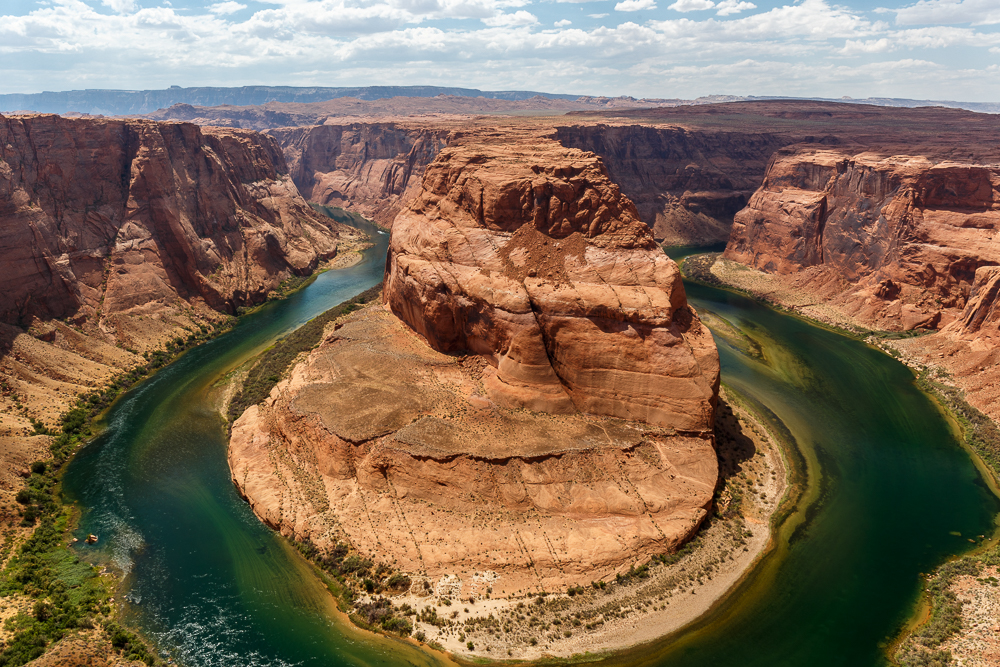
(212, 586)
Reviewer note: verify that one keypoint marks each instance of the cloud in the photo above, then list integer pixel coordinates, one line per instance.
(120, 6)
(563, 23)
(691, 5)
(812, 47)
(635, 5)
(727, 7)
(856, 46)
(517, 19)
(949, 12)
(229, 7)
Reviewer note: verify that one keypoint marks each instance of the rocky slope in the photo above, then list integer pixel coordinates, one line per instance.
(116, 236)
(532, 407)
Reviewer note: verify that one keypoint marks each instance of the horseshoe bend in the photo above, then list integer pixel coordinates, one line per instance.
(529, 408)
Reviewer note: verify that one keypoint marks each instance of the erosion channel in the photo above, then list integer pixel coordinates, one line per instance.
(895, 496)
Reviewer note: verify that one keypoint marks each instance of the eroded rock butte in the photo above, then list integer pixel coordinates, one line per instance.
(531, 408)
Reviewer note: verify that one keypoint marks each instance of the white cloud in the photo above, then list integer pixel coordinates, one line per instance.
(691, 5)
(949, 12)
(517, 19)
(857, 46)
(229, 7)
(121, 6)
(812, 47)
(727, 7)
(635, 5)
(563, 23)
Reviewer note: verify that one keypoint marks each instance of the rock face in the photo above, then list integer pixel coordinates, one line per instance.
(894, 243)
(117, 236)
(906, 235)
(531, 257)
(532, 406)
(372, 168)
(686, 184)
(103, 218)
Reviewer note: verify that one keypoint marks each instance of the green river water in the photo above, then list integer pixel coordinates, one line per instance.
(212, 586)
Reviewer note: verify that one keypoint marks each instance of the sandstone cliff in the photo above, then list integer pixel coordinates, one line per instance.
(686, 184)
(893, 243)
(116, 236)
(532, 408)
(532, 257)
(372, 168)
(101, 217)
(901, 237)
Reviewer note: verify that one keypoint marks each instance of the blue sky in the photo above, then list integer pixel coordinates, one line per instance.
(930, 49)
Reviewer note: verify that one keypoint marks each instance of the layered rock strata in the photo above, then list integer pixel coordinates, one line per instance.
(532, 406)
(372, 168)
(532, 257)
(100, 217)
(895, 243)
(119, 235)
(686, 184)
(906, 233)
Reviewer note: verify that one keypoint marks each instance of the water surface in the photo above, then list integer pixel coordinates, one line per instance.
(213, 586)
(206, 580)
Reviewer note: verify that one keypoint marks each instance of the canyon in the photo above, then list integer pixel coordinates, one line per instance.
(883, 214)
(119, 236)
(889, 243)
(530, 409)
(531, 406)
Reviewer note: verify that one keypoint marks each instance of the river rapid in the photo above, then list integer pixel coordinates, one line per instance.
(893, 495)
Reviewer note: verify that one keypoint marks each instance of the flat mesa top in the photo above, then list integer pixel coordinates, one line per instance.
(383, 380)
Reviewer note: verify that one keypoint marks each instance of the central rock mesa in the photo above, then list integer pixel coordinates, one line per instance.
(531, 407)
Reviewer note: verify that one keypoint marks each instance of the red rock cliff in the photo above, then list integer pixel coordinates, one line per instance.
(372, 168)
(98, 217)
(528, 254)
(686, 184)
(906, 233)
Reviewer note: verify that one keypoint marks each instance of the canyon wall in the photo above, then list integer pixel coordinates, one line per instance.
(100, 217)
(372, 168)
(686, 184)
(902, 236)
(532, 406)
(119, 235)
(894, 243)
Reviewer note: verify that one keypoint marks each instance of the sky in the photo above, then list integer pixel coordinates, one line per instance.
(930, 49)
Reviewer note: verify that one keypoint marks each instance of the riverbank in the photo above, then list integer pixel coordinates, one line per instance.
(958, 617)
(53, 598)
(656, 598)
(650, 601)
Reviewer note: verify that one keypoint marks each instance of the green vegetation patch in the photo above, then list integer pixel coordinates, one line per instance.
(272, 365)
(69, 594)
(922, 647)
(353, 576)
